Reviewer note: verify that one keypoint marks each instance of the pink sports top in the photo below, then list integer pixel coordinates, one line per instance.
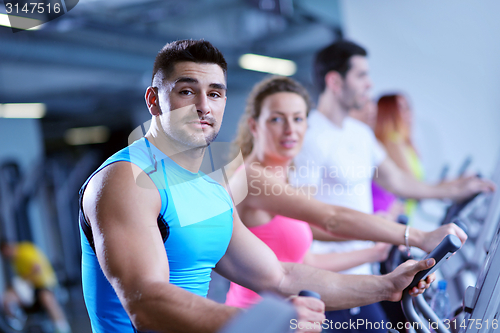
(289, 239)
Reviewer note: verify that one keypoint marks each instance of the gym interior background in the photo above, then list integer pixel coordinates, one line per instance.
(91, 66)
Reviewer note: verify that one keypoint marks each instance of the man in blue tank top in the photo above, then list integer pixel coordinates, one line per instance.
(153, 226)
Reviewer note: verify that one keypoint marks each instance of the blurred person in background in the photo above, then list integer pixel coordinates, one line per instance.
(349, 151)
(270, 135)
(393, 128)
(30, 264)
(385, 203)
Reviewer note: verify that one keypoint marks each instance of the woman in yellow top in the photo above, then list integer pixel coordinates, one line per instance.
(30, 264)
(393, 130)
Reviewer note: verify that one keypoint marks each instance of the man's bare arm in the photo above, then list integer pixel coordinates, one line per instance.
(250, 263)
(123, 216)
(393, 179)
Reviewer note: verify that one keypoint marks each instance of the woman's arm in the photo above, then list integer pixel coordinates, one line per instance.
(322, 235)
(251, 264)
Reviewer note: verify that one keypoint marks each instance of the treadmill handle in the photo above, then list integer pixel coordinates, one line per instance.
(443, 251)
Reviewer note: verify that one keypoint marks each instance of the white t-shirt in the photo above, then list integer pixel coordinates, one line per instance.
(340, 163)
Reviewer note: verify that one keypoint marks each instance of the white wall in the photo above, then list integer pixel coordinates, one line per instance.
(446, 55)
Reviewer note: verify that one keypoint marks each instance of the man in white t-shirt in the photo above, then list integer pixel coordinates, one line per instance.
(340, 155)
(340, 163)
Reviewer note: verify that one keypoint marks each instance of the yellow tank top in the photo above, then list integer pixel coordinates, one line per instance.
(416, 169)
(418, 172)
(33, 266)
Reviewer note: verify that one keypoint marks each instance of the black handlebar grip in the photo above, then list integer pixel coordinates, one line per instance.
(308, 293)
(443, 251)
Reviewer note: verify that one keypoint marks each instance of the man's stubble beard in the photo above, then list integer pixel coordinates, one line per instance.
(193, 140)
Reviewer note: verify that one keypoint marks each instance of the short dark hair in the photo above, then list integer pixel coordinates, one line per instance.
(335, 57)
(199, 51)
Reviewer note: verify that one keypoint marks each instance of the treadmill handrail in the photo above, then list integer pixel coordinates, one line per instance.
(443, 251)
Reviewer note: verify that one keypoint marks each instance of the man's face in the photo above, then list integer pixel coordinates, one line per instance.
(357, 84)
(192, 101)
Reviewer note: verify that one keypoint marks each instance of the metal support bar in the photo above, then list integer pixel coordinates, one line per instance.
(434, 322)
(410, 313)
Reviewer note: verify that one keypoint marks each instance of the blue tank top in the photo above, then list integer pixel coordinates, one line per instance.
(196, 223)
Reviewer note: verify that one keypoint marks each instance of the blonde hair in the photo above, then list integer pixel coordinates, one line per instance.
(267, 87)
